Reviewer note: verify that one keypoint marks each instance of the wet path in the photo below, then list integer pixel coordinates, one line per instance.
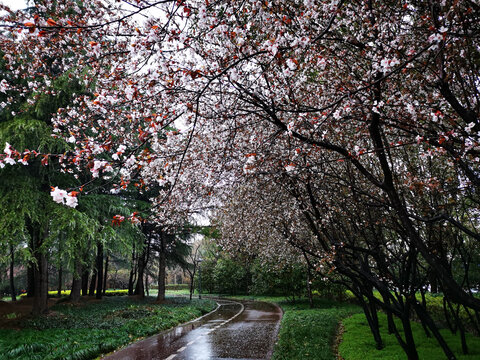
(236, 330)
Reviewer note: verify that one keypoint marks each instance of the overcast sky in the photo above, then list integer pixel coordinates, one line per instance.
(15, 4)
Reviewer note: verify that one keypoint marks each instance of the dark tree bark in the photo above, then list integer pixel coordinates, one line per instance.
(12, 277)
(133, 271)
(75, 291)
(142, 266)
(425, 317)
(139, 287)
(105, 276)
(424, 304)
(99, 270)
(459, 326)
(85, 276)
(93, 283)
(76, 283)
(372, 320)
(409, 348)
(30, 280)
(40, 273)
(115, 279)
(60, 281)
(30, 272)
(147, 291)
(433, 282)
(161, 268)
(191, 274)
(40, 300)
(60, 269)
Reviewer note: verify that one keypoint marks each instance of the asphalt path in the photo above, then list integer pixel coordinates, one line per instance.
(236, 330)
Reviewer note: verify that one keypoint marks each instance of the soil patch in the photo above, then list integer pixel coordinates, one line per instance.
(338, 340)
(11, 312)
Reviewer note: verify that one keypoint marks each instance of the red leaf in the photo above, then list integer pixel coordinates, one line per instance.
(52, 22)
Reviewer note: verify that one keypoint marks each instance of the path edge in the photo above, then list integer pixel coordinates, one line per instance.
(161, 332)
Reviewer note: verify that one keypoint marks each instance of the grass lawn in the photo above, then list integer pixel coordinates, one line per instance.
(94, 328)
(154, 292)
(310, 333)
(358, 344)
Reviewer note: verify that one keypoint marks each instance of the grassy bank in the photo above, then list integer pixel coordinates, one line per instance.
(358, 344)
(310, 333)
(95, 327)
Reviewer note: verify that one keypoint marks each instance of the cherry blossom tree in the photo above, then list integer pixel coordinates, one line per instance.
(362, 112)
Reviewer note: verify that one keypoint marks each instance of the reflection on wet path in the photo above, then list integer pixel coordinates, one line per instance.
(234, 331)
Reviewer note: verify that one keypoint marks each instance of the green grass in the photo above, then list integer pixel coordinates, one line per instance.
(310, 333)
(65, 293)
(358, 344)
(92, 329)
(175, 292)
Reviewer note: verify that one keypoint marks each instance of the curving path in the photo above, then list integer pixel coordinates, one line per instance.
(236, 330)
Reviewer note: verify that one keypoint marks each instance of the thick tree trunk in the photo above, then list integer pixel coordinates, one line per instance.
(139, 287)
(142, 265)
(76, 288)
(425, 317)
(433, 282)
(93, 283)
(60, 281)
(192, 283)
(12, 277)
(85, 276)
(76, 283)
(40, 299)
(30, 267)
(147, 285)
(133, 270)
(99, 270)
(410, 348)
(30, 280)
(105, 276)
(40, 274)
(372, 319)
(161, 268)
(115, 279)
(60, 267)
(147, 259)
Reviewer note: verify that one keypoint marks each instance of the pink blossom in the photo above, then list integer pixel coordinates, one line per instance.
(58, 195)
